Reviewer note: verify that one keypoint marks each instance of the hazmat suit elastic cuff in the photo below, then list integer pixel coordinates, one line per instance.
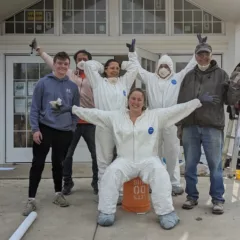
(74, 109)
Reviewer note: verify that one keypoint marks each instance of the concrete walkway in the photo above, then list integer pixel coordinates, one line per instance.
(78, 222)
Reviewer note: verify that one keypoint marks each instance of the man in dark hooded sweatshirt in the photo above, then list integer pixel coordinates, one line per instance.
(205, 125)
(51, 129)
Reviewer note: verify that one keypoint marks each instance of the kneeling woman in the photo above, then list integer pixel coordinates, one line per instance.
(136, 133)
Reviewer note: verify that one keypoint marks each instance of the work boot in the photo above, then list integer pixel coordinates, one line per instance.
(190, 204)
(105, 220)
(60, 200)
(29, 207)
(67, 187)
(95, 187)
(177, 190)
(217, 208)
(169, 220)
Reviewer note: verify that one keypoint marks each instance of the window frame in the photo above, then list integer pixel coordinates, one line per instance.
(144, 34)
(34, 22)
(202, 10)
(82, 34)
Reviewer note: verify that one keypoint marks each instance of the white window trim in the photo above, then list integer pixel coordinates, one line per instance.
(167, 10)
(84, 34)
(191, 34)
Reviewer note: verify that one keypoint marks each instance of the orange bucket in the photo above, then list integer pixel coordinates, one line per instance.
(136, 197)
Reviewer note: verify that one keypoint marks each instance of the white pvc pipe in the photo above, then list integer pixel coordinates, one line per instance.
(18, 234)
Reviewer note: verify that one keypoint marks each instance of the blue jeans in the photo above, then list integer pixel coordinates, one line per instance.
(212, 142)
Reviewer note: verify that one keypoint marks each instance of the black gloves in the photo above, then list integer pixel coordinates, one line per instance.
(131, 46)
(33, 45)
(206, 98)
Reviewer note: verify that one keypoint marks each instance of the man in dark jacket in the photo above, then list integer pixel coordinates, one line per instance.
(205, 125)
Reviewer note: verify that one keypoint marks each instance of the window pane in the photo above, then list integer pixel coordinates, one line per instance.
(149, 4)
(49, 4)
(11, 19)
(178, 4)
(188, 28)
(101, 28)
(197, 16)
(19, 122)
(20, 17)
(178, 16)
(19, 27)
(127, 16)
(49, 16)
(32, 71)
(149, 16)
(89, 28)
(44, 69)
(89, 16)
(19, 70)
(127, 4)
(138, 16)
(29, 16)
(29, 27)
(100, 16)
(37, 6)
(189, 6)
(78, 28)
(160, 16)
(67, 28)
(127, 28)
(188, 16)
(67, 16)
(39, 27)
(149, 28)
(178, 28)
(29, 139)
(207, 17)
(78, 4)
(138, 4)
(49, 28)
(67, 4)
(160, 4)
(216, 19)
(217, 27)
(197, 28)
(207, 27)
(101, 4)
(9, 27)
(138, 28)
(19, 139)
(160, 28)
(89, 4)
(78, 16)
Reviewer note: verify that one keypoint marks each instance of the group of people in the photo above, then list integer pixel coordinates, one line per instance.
(188, 105)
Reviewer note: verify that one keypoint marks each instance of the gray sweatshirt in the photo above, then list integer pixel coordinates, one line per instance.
(50, 88)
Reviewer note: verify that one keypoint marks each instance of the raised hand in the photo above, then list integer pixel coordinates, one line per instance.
(131, 46)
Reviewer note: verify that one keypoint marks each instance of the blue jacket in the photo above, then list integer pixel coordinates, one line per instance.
(50, 88)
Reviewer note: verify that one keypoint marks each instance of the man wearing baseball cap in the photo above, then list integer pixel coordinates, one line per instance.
(205, 125)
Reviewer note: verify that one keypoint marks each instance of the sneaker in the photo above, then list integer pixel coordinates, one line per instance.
(67, 188)
(169, 220)
(60, 200)
(190, 204)
(177, 190)
(105, 220)
(29, 207)
(217, 208)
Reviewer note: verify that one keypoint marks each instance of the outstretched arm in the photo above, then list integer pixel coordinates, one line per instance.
(171, 115)
(94, 116)
(92, 70)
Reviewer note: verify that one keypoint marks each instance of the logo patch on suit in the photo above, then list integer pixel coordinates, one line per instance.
(124, 93)
(68, 90)
(174, 82)
(150, 130)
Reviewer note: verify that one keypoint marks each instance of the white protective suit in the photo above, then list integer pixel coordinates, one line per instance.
(164, 93)
(109, 97)
(137, 148)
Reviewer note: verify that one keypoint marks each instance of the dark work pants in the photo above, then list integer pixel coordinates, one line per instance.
(87, 131)
(59, 141)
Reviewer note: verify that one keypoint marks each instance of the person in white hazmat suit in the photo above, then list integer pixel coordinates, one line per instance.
(162, 91)
(110, 93)
(136, 133)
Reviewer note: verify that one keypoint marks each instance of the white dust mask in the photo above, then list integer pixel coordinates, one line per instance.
(163, 72)
(113, 80)
(203, 68)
